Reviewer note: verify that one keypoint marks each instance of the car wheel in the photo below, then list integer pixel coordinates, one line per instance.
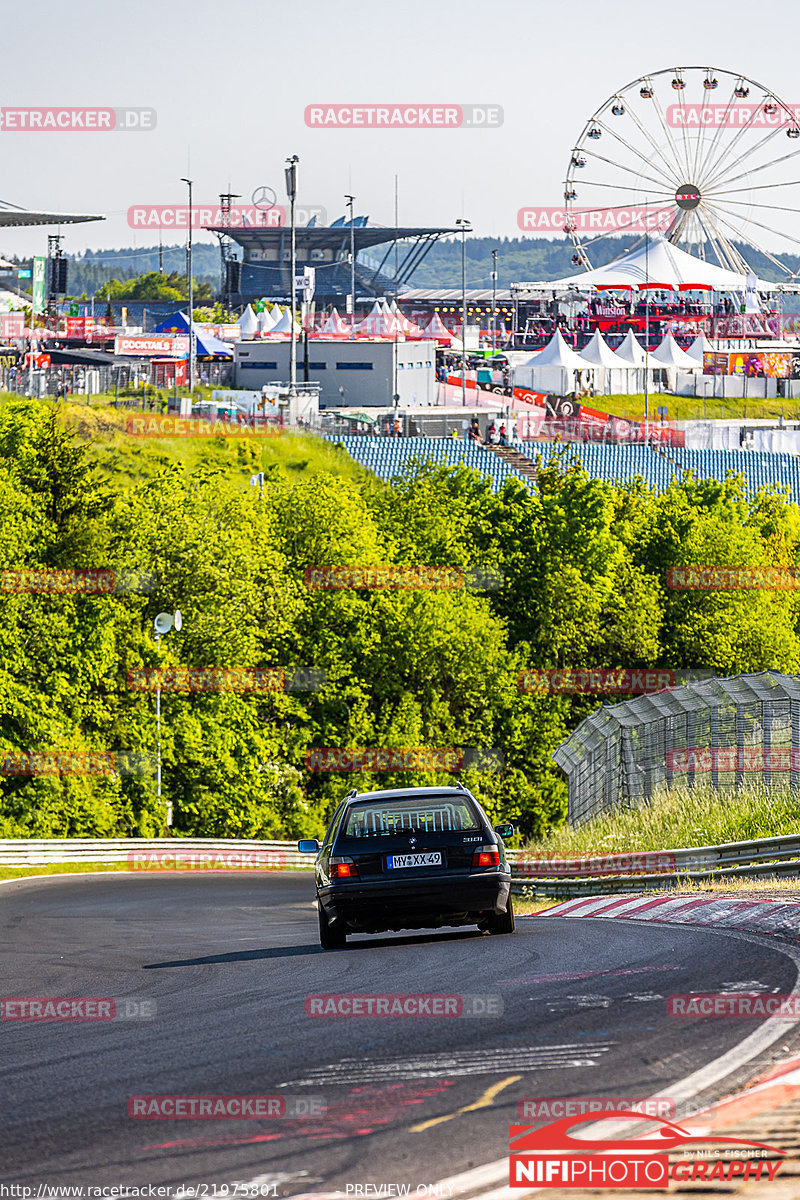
(330, 937)
(502, 922)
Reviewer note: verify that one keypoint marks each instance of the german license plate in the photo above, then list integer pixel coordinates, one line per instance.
(432, 859)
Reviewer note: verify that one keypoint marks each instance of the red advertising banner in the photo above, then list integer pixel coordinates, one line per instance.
(151, 344)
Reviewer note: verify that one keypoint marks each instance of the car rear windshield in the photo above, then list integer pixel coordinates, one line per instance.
(432, 815)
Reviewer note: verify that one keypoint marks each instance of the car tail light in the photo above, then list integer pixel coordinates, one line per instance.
(486, 856)
(343, 868)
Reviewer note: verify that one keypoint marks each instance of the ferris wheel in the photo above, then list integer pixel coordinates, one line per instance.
(710, 155)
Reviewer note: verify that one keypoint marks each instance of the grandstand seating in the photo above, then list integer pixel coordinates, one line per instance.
(658, 466)
(387, 456)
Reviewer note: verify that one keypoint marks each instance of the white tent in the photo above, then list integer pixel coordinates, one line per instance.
(248, 322)
(334, 327)
(630, 353)
(403, 321)
(379, 322)
(598, 353)
(558, 354)
(268, 319)
(659, 264)
(669, 354)
(555, 369)
(285, 324)
(700, 346)
(436, 328)
(610, 375)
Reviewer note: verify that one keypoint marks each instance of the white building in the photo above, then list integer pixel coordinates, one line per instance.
(354, 374)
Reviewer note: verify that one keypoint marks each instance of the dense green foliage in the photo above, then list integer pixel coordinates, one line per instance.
(583, 566)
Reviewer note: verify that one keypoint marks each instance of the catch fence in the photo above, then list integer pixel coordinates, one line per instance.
(722, 732)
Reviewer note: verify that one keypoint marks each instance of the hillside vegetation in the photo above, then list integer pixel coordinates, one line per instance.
(582, 565)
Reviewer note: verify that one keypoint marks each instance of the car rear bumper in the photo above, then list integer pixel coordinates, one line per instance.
(398, 904)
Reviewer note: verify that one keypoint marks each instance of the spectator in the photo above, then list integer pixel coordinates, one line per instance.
(502, 439)
(491, 434)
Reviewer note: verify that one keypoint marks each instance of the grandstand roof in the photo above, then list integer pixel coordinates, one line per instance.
(323, 237)
(11, 215)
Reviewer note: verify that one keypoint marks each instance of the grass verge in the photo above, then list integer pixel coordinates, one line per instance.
(683, 817)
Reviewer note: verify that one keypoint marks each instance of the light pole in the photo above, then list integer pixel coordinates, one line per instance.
(291, 191)
(646, 323)
(162, 624)
(466, 227)
(189, 272)
(350, 200)
(494, 298)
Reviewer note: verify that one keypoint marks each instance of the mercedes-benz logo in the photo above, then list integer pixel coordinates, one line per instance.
(264, 197)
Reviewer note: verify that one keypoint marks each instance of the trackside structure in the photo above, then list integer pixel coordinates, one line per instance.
(722, 732)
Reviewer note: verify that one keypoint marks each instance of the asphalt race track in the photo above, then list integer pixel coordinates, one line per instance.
(229, 961)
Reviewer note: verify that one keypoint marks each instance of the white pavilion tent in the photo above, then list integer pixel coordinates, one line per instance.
(268, 319)
(669, 354)
(630, 355)
(437, 329)
(285, 324)
(556, 368)
(660, 265)
(334, 327)
(700, 346)
(610, 375)
(248, 322)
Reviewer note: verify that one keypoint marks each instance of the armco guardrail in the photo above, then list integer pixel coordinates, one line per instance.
(38, 852)
(758, 859)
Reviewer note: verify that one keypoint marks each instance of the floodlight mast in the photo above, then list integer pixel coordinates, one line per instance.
(291, 191)
(190, 273)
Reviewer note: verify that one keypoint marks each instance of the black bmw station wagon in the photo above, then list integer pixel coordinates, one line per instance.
(411, 858)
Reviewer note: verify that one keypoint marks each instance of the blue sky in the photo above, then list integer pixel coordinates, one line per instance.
(230, 84)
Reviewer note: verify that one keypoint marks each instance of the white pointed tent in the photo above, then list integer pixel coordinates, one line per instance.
(659, 264)
(437, 329)
(334, 327)
(555, 369)
(248, 322)
(669, 354)
(610, 376)
(269, 318)
(700, 346)
(598, 353)
(631, 357)
(630, 352)
(403, 322)
(379, 322)
(285, 324)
